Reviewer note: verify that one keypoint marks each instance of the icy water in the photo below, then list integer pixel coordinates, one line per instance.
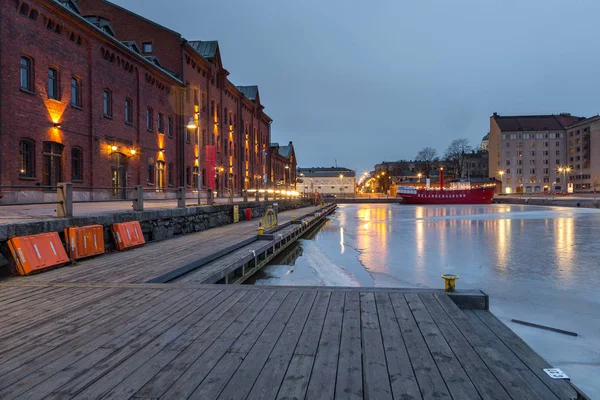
(538, 264)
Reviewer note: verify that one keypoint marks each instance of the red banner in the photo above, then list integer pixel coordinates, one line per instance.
(209, 162)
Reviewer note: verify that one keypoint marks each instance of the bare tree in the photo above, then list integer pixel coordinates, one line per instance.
(595, 184)
(428, 156)
(455, 156)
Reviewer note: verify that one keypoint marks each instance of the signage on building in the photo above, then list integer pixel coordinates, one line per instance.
(569, 187)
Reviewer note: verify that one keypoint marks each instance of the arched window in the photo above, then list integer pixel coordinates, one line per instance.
(52, 152)
(75, 92)
(33, 15)
(107, 103)
(149, 119)
(76, 164)
(27, 159)
(24, 10)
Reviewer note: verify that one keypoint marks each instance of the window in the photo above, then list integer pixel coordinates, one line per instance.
(52, 166)
(188, 176)
(24, 9)
(151, 173)
(170, 127)
(507, 162)
(519, 162)
(557, 144)
(75, 92)
(545, 162)
(76, 164)
(557, 162)
(546, 152)
(195, 178)
(26, 74)
(532, 171)
(546, 171)
(507, 144)
(170, 174)
(508, 154)
(147, 47)
(27, 159)
(520, 153)
(519, 171)
(196, 96)
(558, 152)
(531, 162)
(53, 84)
(545, 144)
(129, 111)
(532, 153)
(187, 135)
(531, 180)
(160, 174)
(161, 123)
(508, 181)
(149, 121)
(557, 179)
(107, 103)
(508, 171)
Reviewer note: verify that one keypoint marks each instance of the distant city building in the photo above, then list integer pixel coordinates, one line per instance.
(334, 180)
(526, 151)
(475, 164)
(583, 144)
(283, 165)
(485, 142)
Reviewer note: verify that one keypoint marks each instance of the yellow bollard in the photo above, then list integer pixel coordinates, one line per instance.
(261, 230)
(450, 282)
(293, 218)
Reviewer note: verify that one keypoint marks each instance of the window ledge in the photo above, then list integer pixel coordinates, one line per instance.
(129, 123)
(170, 136)
(53, 99)
(150, 130)
(77, 107)
(108, 116)
(77, 180)
(160, 133)
(27, 178)
(24, 90)
(150, 184)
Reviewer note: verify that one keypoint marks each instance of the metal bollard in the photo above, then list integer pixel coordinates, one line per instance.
(64, 195)
(138, 198)
(181, 197)
(450, 282)
(261, 229)
(257, 196)
(210, 198)
(245, 196)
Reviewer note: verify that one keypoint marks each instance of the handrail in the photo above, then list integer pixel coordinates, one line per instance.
(33, 203)
(28, 187)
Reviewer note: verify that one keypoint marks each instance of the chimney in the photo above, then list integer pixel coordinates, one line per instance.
(495, 114)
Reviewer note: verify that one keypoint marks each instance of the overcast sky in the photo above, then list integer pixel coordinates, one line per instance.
(365, 81)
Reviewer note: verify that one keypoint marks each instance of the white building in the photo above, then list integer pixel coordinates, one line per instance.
(337, 181)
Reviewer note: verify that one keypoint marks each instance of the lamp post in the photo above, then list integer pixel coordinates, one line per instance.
(564, 170)
(341, 185)
(419, 175)
(265, 173)
(501, 173)
(192, 125)
(287, 182)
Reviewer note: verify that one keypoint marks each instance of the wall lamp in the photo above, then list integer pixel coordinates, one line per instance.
(56, 125)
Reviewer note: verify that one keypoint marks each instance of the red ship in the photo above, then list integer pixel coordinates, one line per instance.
(458, 193)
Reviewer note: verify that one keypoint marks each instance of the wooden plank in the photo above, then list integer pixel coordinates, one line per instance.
(270, 376)
(534, 361)
(61, 365)
(484, 380)
(349, 372)
(376, 381)
(515, 377)
(201, 366)
(402, 378)
(457, 380)
(297, 376)
(251, 350)
(323, 377)
(428, 376)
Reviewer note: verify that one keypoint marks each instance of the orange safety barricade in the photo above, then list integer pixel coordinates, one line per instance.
(128, 234)
(85, 241)
(36, 252)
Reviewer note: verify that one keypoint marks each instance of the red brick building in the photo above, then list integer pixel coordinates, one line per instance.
(96, 95)
(283, 166)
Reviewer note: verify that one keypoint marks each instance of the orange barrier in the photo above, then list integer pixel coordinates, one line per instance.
(85, 241)
(37, 252)
(128, 234)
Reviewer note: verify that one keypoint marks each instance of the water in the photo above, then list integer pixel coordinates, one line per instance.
(538, 264)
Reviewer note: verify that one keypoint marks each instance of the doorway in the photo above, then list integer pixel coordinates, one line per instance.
(118, 172)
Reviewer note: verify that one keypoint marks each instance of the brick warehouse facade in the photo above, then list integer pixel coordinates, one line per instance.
(96, 95)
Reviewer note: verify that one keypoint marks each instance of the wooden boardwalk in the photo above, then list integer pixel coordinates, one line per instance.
(179, 341)
(155, 259)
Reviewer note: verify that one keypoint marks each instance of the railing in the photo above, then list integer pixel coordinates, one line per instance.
(65, 195)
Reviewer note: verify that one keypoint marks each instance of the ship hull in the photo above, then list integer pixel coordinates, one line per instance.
(467, 196)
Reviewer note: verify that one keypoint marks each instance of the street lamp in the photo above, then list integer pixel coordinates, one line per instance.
(341, 184)
(192, 125)
(289, 177)
(565, 170)
(501, 173)
(419, 175)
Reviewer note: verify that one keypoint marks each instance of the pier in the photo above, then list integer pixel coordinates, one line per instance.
(169, 320)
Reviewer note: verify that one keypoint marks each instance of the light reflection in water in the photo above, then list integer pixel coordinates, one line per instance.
(502, 235)
(342, 249)
(564, 240)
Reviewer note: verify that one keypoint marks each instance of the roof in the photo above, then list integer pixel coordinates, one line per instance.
(286, 151)
(206, 48)
(274, 144)
(486, 137)
(249, 91)
(534, 122)
(315, 172)
(585, 121)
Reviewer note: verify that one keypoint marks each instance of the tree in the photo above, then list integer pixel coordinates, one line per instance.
(455, 156)
(427, 156)
(595, 185)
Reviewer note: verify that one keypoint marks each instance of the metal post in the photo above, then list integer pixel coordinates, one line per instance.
(138, 198)
(210, 198)
(230, 188)
(64, 194)
(245, 196)
(257, 196)
(181, 197)
(198, 177)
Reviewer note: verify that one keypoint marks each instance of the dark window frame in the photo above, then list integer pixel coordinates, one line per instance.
(170, 180)
(107, 103)
(170, 127)
(160, 122)
(53, 88)
(144, 44)
(151, 174)
(77, 164)
(128, 111)
(26, 71)
(149, 119)
(76, 92)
